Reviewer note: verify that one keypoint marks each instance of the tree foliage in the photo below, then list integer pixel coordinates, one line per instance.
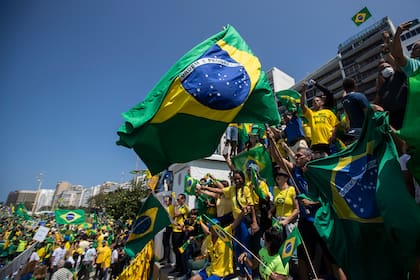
(121, 204)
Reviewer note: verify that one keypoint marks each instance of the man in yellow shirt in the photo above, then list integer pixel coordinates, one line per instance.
(106, 264)
(323, 123)
(219, 248)
(100, 251)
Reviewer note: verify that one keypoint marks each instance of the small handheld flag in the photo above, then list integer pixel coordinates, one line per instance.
(289, 246)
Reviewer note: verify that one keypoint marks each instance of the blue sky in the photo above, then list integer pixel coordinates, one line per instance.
(68, 69)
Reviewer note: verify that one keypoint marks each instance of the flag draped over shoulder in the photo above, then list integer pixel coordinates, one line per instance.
(255, 156)
(410, 130)
(370, 223)
(64, 217)
(218, 82)
(151, 219)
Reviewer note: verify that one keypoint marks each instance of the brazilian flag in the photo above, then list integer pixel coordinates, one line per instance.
(220, 81)
(361, 16)
(368, 220)
(190, 185)
(151, 219)
(289, 99)
(65, 217)
(21, 212)
(289, 245)
(259, 159)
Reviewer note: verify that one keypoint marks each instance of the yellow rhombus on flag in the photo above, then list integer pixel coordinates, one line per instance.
(361, 16)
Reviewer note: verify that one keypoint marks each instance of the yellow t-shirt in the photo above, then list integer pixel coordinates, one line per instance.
(179, 221)
(283, 200)
(223, 206)
(100, 251)
(322, 124)
(221, 255)
(171, 211)
(243, 197)
(106, 257)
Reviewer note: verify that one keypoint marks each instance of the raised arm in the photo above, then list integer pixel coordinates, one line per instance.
(396, 46)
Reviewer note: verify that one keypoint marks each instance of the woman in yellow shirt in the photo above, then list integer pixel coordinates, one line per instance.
(285, 207)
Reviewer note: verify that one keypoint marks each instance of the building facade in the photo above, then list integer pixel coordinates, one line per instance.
(358, 58)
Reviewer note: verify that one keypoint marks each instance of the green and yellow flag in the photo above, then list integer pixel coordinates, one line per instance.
(290, 99)
(289, 245)
(361, 16)
(218, 82)
(257, 157)
(189, 185)
(151, 219)
(65, 217)
(21, 211)
(368, 220)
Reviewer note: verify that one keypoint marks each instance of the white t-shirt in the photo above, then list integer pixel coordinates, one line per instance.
(114, 257)
(58, 254)
(34, 257)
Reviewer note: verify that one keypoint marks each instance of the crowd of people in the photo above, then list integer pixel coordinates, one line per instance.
(85, 251)
(232, 226)
(237, 226)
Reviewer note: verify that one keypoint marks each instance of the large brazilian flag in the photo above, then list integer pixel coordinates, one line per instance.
(184, 116)
(368, 220)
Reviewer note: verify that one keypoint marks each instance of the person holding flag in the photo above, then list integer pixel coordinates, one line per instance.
(219, 248)
(242, 201)
(270, 265)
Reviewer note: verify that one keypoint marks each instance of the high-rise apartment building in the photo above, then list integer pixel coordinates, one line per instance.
(358, 58)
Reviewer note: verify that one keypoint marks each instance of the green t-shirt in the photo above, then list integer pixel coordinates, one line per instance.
(272, 264)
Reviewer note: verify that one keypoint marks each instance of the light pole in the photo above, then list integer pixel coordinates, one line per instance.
(37, 193)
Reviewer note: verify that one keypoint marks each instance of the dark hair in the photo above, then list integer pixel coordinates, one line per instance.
(274, 238)
(168, 197)
(68, 265)
(349, 84)
(240, 172)
(193, 212)
(182, 195)
(224, 183)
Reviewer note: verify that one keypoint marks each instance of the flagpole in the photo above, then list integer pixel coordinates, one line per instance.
(233, 238)
(276, 150)
(307, 255)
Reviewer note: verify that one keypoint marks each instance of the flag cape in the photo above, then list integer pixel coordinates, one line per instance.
(361, 16)
(190, 185)
(410, 130)
(369, 222)
(151, 219)
(259, 156)
(289, 245)
(218, 82)
(21, 211)
(64, 217)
